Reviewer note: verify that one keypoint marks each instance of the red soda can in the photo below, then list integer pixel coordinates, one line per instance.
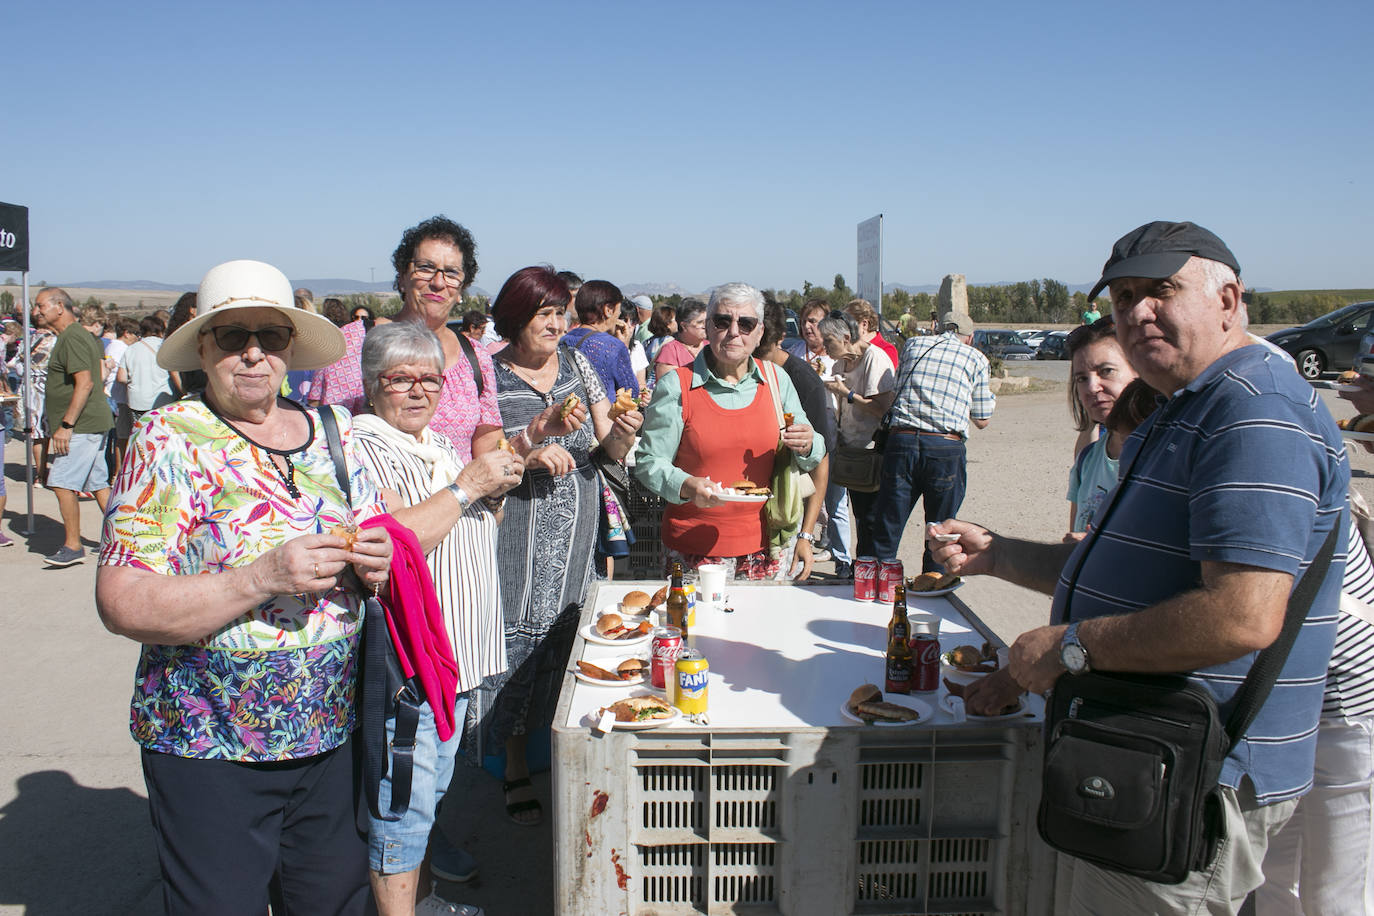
(665, 648)
(925, 662)
(866, 578)
(889, 577)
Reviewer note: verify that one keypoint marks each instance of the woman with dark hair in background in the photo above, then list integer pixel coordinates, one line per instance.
(687, 341)
(626, 331)
(334, 310)
(435, 262)
(662, 327)
(474, 324)
(598, 309)
(549, 533)
(192, 380)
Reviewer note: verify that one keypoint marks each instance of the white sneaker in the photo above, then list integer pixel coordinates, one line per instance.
(438, 906)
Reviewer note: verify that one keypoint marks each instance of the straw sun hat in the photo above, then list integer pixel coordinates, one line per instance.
(247, 285)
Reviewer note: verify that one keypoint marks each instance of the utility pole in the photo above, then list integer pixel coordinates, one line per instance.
(374, 274)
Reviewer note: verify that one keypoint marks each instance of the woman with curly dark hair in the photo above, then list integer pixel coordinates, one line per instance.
(435, 263)
(192, 380)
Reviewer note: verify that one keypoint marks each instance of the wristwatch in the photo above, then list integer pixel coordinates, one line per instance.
(66, 425)
(464, 500)
(807, 536)
(1073, 653)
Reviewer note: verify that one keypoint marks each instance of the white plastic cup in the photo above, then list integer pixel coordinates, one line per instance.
(711, 584)
(924, 622)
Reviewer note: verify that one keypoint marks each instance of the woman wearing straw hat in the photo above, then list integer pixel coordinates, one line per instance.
(218, 556)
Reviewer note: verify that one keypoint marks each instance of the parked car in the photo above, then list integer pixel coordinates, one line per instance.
(1328, 343)
(1001, 342)
(1032, 339)
(1054, 346)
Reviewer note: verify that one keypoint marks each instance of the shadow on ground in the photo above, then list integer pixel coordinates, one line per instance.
(99, 841)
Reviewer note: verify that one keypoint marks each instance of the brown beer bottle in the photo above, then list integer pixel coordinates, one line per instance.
(898, 662)
(677, 604)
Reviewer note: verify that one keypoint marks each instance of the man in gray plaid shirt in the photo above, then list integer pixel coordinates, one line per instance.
(942, 386)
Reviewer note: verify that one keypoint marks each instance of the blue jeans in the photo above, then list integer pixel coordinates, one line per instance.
(928, 468)
(395, 847)
(837, 523)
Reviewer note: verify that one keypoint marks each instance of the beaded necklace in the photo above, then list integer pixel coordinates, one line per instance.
(287, 476)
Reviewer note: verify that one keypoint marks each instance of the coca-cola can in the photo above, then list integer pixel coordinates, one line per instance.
(889, 577)
(664, 650)
(925, 662)
(866, 578)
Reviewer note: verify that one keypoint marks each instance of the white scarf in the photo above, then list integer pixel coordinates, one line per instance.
(439, 462)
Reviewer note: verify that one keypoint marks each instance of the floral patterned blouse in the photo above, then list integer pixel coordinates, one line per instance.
(194, 497)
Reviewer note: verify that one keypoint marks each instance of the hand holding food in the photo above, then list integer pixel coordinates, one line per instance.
(798, 437)
(570, 403)
(624, 403)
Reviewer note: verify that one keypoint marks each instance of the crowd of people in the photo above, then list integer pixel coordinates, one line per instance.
(276, 467)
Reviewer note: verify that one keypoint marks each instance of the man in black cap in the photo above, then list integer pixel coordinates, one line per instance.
(1227, 494)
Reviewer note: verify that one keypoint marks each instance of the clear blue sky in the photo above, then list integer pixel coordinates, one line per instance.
(690, 143)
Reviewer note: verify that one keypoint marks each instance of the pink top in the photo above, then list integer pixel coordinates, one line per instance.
(459, 413)
(675, 353)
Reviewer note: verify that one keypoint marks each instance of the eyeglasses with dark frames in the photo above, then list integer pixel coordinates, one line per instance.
(233, 339)
(746, 323)
(430, 384)
(424, 270)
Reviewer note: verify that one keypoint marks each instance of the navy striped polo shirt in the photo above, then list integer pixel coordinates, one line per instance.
(1246, 466)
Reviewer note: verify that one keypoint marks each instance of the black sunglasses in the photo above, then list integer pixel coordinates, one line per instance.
(233, 339)
(746, 324)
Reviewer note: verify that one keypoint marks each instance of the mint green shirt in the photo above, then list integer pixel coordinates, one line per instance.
(662, 430)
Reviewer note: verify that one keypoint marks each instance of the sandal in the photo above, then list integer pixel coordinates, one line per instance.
(516, 808)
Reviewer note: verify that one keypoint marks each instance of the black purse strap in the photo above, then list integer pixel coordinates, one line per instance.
(1270, 661)
(373, 706)
(471, 354)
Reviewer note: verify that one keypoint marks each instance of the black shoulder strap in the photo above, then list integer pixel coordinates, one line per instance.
(331, 436)
(471, 353)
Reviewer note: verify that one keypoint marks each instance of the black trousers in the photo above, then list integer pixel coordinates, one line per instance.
(224, 829)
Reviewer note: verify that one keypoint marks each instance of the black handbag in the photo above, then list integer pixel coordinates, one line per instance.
(857, 468)
(385, 690)
(1132, 761)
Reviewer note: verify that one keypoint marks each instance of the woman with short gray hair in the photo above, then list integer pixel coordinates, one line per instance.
(453, 509)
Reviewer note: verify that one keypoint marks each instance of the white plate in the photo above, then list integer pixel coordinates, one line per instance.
(921, 707)
(731, 497)
(588, 632)
(1348, 389)
(591, 718)
(609, 665)
(937, 593)
(1016, 713)
(956, 675)
(1358, 437)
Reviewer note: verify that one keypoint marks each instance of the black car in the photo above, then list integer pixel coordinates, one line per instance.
(1054, 346)
(1328, 343)
(1002, 343)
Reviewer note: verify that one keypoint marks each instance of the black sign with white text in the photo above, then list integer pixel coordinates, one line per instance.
(14, 237)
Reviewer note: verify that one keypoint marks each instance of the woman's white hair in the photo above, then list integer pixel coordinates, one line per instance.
(735, 294)
(395, 344)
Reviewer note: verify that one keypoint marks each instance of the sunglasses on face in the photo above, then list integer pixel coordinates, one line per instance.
(273, 339)
(723, 322)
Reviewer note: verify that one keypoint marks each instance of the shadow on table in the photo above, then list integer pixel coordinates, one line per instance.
(73, 849)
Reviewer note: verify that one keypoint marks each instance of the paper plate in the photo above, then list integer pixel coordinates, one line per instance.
(1357, 437)
(740, 498)
(936, 593)
(1016, 713)
(921, 708)
(591, 718)
(588, 632)
(610, 664)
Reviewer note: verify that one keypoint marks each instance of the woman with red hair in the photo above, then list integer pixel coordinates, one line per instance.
(546, 542)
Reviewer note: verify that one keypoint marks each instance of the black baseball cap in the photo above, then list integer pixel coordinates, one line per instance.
(1160, 249)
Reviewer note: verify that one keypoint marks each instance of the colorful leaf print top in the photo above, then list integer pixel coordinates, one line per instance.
(195, 497)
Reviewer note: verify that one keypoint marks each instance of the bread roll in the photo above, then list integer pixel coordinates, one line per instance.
(608, 622)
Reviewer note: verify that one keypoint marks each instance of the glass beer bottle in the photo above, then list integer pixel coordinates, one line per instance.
(677, 604)
(899, 624)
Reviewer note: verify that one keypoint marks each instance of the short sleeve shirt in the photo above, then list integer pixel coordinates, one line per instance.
(871, 375)
(608, 357)
(1092, 478)
(195, 498)
(1242, 466)
(76, 350)
(942, 382)
(460, 409)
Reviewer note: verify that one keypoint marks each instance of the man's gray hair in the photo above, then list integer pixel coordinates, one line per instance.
(735, 294)
(1215, 274)
(58, 295)
(397, 343)
(841, 326)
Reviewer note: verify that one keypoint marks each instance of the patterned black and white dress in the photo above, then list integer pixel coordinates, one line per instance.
(544, 554)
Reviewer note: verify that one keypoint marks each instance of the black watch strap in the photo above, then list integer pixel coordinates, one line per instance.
(66, 425)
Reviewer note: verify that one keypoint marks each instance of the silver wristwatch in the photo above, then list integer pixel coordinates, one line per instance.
(1073, 653)
(464, 500)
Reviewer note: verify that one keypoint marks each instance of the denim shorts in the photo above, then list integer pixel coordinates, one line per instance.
(399, 846)
(83, 468)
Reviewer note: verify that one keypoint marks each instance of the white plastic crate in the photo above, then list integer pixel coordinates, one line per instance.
(798, 820)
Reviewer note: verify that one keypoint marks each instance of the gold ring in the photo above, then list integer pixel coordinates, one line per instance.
(317, 570)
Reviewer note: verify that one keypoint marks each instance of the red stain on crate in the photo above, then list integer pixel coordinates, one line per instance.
(622, 880)
(599, 800)
(588, 835)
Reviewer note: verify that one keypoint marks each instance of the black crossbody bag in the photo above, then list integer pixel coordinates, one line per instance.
(1132, 761)
(383, 688)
